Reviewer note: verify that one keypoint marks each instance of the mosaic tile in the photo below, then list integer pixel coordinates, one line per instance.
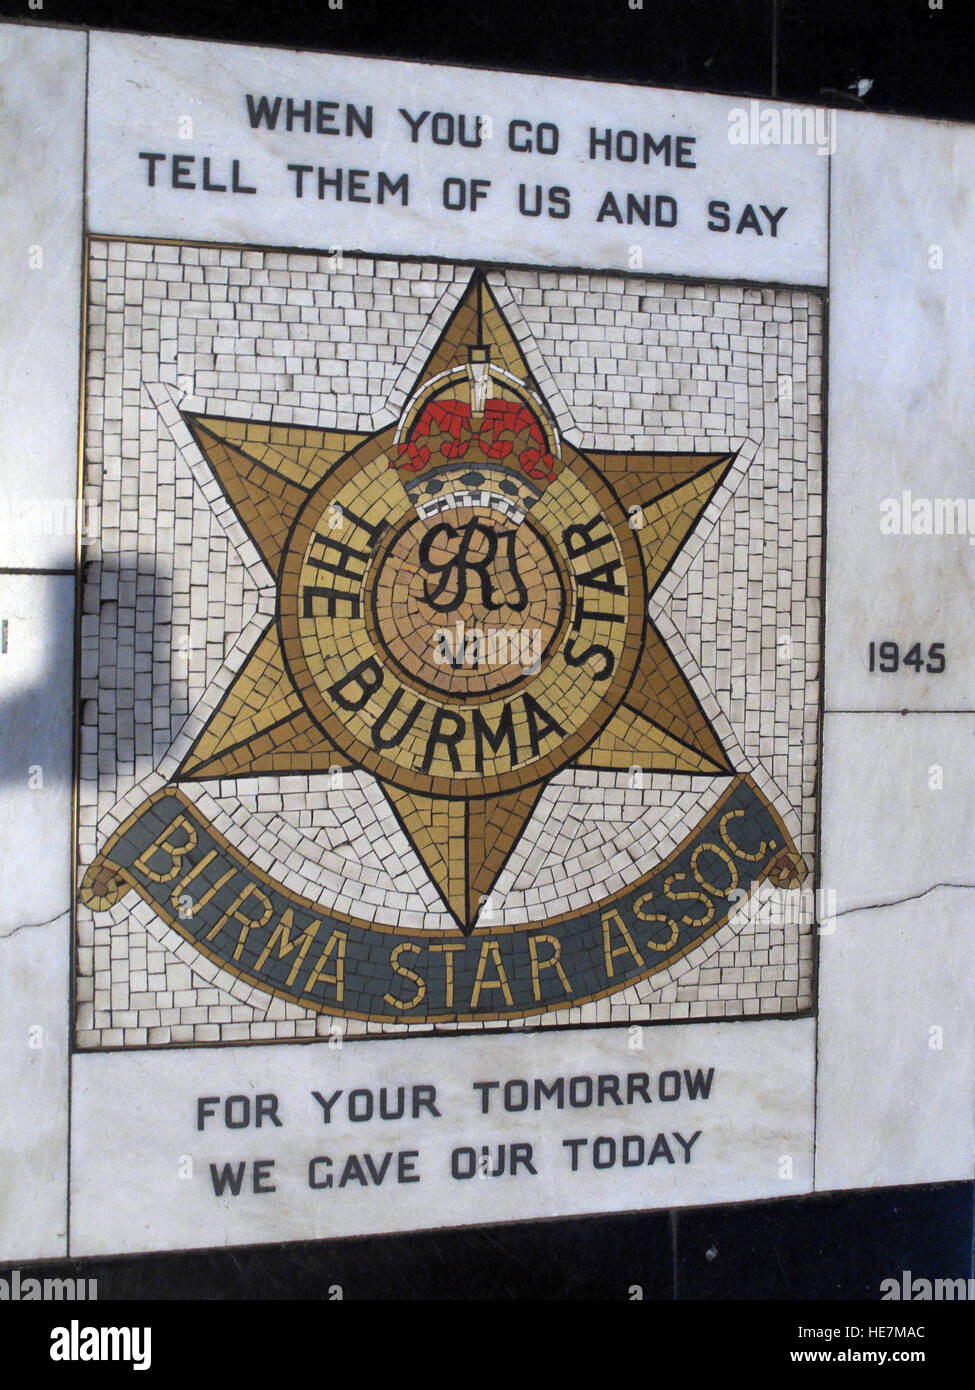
(478, 656)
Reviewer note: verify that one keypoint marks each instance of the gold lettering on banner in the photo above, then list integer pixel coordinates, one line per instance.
(176, 852)
(552, 963)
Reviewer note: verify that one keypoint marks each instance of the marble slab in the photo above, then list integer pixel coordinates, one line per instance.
(448, 177)
(901, 563)
(895, 1100)
(896, 1086)
(334, 1166)
(36, 641)
(896, 1109)
(920, 765)
(41, 182)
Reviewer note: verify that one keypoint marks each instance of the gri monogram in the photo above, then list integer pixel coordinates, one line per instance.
(469, 558)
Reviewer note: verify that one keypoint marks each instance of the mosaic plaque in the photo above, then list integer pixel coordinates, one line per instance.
(469, 718)
(465, 813)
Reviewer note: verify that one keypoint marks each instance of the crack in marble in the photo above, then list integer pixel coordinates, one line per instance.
(6, 935)
(896, 902)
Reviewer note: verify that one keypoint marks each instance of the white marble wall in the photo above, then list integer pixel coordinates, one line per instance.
(882, 1083)
(42, 138)
(896, 1081)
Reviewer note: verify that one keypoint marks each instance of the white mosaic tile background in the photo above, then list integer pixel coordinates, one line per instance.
(175, 595)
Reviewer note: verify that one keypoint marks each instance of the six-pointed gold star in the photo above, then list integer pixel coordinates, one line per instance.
(345, 523)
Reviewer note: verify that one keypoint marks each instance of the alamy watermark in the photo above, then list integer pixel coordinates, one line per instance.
(49, 516)
(806, 908)
(908, 1289)
(16, 1288)
(908, 515)
(475, 647)
(783, 125)
(77, 1343)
